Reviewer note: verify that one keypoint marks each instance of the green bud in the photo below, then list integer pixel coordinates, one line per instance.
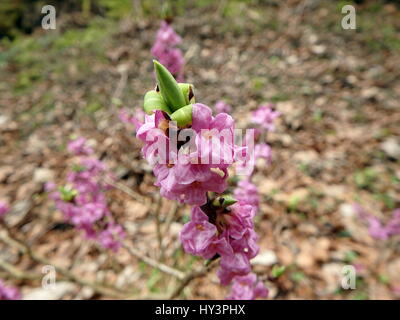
(277, 271)
(169, 88)
(183, 116)
(154, 101)
(67, 193)
(188, 92)
(224, 201)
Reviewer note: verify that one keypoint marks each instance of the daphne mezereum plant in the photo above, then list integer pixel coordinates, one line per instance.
(166, 51)
(83, 201)
(191, 151)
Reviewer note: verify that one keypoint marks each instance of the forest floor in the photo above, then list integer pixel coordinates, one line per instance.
(336, 143)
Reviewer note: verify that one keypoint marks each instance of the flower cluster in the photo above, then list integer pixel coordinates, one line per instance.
(377, 229)
(265, 117)
(187, 173)
(247, 288)
(191, 151)
(165, 50)
(247, 193)
(4, 209)
(224, 231)
(83, 202)
(9, 293)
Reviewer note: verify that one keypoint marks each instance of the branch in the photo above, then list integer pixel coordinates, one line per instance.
(189, 277)
(154, 263)
(125, 189)
(24, 249)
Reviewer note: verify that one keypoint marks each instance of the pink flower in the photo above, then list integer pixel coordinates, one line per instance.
(263, 151)
(226, 232)
(247, 193)
(188, 183)
(4, 209)
(377, 229)
(83, 201)
(165, 52)
(184, 173)
(9, 293)
(247, 288)
(199, 235)
(156, 141)
(265, 117)
(215, 140)
(79, 147)
(111, 237)
(222, 107)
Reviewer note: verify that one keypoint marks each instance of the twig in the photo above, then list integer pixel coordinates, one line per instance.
(23, 248)
(158, 227)
(189, 277)
(18, 274)
(125, 189)
(170, 216)
(154, 263)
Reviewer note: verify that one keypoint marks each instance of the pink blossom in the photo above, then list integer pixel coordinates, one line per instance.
(263, 151)
(185, 174)
(9, 293)
(164, 49)
(228, 233)
(83, 201)
(111, 237)
(377, 229)
(247, 193)
(188, 183)
(4, 209)
(199, 235)
(222, 107)
(215, 136)
(79, 147)
(247, 288)
(265, 117)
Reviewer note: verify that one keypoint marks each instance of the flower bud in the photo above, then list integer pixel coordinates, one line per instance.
(169, 88)
(188, 92)
(67, 194)
(183, 116)
(154, 101)
(224, 201)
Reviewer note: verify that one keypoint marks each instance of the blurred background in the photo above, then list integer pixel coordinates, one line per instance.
(336, 143)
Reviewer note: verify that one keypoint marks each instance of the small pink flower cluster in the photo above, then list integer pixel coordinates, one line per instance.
(83, 201)
(226, 232)
(4, 209)
(377, 229)
(246, 192)
(165, 50)
(9, 293)
(247, 288)
(184, 174)
(265, 117)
